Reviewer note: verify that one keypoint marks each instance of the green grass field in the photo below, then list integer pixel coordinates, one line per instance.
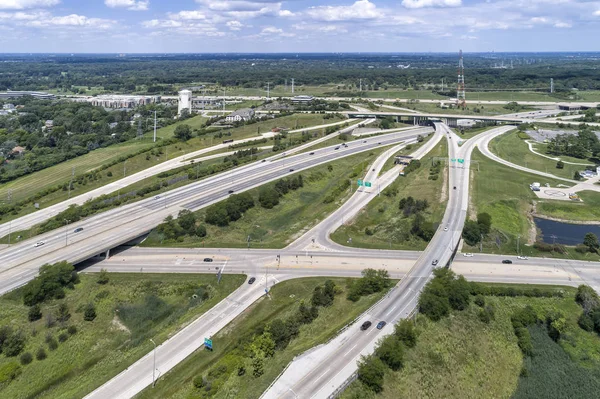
(382, 216)
(510, 147)
(104, 347)
(587, 210)
(297, 212)
(461, 357)
(229, 342)
(61, 174)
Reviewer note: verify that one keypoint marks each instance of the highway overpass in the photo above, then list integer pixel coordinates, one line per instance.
(422, 118)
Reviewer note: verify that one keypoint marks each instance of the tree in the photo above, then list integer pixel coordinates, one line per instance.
(472, 232)
(484, 220)
(371, 371)
(35, 313)
(90, 312)
(577, 176)
(217, 215)
(268, 197)
(14, 344)
(187, 221)
(405, 331)
(201, 231)
(587, 298)
(103, 277)
(433, 306)
(591, 241)
(183, 132)
(560, 165)
(63, 314)
(26, 358)
(40, 354)
(391, 352)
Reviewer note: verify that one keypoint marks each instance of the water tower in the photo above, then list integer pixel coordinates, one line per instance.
(185, 101)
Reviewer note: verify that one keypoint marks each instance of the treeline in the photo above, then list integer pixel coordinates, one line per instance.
(269, 195)
(584, 144)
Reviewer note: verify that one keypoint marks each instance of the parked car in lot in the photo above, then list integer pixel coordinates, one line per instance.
(208, 259)
(507, 261)
(381, 324)
(252, 280)
(365, 325)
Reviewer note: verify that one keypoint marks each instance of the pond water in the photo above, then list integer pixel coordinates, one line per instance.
(564, 233)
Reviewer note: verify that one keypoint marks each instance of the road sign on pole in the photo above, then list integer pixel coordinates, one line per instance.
(359, 183)
(460, 160)
(367, 184)
(208, 344)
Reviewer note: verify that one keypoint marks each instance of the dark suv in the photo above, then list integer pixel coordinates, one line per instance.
(365, 325)
(252, 280)
(507, 261)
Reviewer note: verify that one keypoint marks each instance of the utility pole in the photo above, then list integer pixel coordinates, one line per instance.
(155, 126)
(223, 99)
(154, 366)
(360, 85)
(292, 85)
(268, 90)
(71, 182)
(551, 85)
(481, 244)
(124, 168)
(518, 249)
(9, 228)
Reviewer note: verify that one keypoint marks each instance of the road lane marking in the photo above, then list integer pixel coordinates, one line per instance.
(322, 375)
(391, 310)
(350, 350)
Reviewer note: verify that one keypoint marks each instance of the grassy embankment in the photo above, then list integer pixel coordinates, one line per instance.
(488, 364)
(382, 217)
(296, 213)
(514, 149)
(504, 193)
(229, 343)
(102, 348)
(61, 174)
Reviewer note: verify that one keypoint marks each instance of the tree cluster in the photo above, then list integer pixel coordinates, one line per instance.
(581, 145)
(474, 230)
(372, 281)
(269, 195)
(230, 210)
(185, 224)
(444, 292)
(588, 299)
(50, 283)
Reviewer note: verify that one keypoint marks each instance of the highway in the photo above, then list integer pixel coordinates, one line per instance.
(106, 230)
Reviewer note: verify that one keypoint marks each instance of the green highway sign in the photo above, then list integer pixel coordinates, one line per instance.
(208, 343)
(367, 184)
(460, 160)
(453, 159)
(360, 183)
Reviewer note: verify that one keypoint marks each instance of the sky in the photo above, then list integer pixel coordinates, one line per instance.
(270, 26)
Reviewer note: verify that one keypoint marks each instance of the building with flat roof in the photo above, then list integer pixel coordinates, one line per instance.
(302, 99)
(185, 101)
(117, 101)
(35, 94)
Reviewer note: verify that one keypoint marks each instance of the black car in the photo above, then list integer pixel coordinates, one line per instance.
(291, 170)
(252, 280)
(208, 259)
(337, 148)
(455, 187)
(435, 262)
(77, 230)
(381, 324)
(365, 325)
(312, 153)
(507, 261)
(230, 191)
(264, 160)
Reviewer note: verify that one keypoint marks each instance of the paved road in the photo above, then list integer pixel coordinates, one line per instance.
(20, 262)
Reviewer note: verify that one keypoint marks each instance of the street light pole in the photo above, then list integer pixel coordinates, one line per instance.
(154, 365)
(67, 232)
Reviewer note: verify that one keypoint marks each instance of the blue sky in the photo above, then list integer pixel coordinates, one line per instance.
(298, 25)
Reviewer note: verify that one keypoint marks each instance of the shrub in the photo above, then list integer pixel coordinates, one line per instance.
(89, 313)
(35, 313)
(199, 381)
(41, 354)
(201, 231)
(62, 337)
(26, 358)
(524, 340)
(50, 283)
(480, 301)
(103, 277)
(13, 344)
(586, 322)
(72, 330)
(63, 314)
(405, 331)
(9, 371)
(371, 371)
(391, 352)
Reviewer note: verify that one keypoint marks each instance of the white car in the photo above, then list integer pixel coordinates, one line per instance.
(468, 255)
(157, 197)
(445, 229)
(39, 244)
(522, 257)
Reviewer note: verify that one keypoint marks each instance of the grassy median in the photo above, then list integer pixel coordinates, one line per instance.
(88, 353)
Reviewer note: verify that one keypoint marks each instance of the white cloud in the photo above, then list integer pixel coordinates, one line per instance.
(22, 4)
(73, 20)
(22, 16)
(234, 25)
(188, 15)
(431, 3)
(133, 5)
(597, 13)
(361, 9)
(562, 25)
(271, 30)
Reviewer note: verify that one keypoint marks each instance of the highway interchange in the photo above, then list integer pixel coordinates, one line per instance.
(323, 370)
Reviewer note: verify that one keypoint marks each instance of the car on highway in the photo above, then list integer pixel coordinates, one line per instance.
(365, 141)
(522, 257)
(365, 325)
(157, 197)
(468, 255)
(455, 187)
(208, 260)
(435, 262)
(445, 228)
(507, 262)
(252, 280)
(312, 153)
(381, 324)
(378, 143)
(264, 160)
(337, 148)
(230, 192)
(77, 230)
(39, 244)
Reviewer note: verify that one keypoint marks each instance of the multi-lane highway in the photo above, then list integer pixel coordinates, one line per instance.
(20, 262)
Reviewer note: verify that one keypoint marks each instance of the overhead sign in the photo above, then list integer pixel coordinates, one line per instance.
(367, 184)
(360, 183)
(460, 160)
(208, 343)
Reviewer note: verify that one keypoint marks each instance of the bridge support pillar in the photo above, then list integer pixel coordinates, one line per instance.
(107, 254)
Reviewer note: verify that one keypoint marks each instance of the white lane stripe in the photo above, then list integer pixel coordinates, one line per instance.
(350, 350)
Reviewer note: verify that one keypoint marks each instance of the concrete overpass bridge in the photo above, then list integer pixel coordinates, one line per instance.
(421, 118)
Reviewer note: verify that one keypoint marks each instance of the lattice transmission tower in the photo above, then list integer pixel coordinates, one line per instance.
(461, 99)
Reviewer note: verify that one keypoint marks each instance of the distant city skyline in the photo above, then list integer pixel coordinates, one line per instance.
(272, 26)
